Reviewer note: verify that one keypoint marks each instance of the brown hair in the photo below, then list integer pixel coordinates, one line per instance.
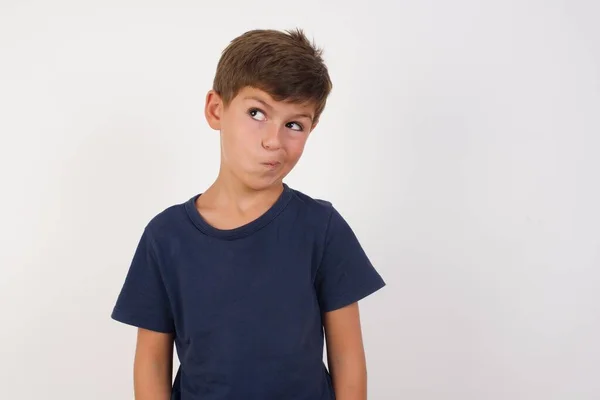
(282, 63)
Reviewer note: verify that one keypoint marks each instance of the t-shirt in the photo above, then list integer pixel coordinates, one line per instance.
(245, 305)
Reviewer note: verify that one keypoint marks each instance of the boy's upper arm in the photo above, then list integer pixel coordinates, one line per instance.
(343, 333)
(153, 365)
(345, 274)
(154, 345)
(345, 352)
(143, 301)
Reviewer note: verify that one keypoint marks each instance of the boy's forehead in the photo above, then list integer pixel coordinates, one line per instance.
(252, 93)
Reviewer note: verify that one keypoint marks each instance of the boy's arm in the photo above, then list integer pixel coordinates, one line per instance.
(153, 365)
(345, 353)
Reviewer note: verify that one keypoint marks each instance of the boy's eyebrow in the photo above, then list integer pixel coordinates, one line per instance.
(268, 106)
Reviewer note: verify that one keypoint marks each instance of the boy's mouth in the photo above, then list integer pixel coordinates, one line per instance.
(271, 163)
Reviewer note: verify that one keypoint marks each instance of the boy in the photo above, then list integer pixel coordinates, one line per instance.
(247, 278)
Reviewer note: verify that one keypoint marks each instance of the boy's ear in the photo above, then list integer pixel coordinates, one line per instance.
(213, 110)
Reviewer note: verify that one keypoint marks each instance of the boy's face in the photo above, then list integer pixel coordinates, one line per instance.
(261, 139)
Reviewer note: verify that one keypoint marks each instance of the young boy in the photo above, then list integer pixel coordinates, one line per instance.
(249, 277)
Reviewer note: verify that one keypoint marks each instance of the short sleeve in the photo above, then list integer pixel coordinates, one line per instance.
(143, 300)
(345, 274)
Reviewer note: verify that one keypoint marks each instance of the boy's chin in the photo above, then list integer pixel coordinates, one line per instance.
(262, 183)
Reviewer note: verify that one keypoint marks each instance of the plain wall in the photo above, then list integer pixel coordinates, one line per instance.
(461, 142)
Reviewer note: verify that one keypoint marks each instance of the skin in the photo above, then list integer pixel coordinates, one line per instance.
(153, 365)
(261, 142)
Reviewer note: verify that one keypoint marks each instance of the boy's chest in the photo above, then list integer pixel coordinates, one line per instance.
(235, 283)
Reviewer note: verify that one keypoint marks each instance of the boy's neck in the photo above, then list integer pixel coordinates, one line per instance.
(228, 192)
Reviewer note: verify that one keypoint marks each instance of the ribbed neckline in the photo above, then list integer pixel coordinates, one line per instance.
(241, 231)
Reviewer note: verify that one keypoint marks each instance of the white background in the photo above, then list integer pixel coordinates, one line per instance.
(461, 142)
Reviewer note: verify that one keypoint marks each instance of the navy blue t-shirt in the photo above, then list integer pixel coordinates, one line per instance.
(245, 305)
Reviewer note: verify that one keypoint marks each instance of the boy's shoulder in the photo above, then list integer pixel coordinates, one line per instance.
(313, 203)
(170, 217)
(316, 212)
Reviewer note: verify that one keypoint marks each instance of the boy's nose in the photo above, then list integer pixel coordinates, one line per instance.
(271, 139)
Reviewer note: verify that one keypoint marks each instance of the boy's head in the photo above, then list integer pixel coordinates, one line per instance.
(269, 91)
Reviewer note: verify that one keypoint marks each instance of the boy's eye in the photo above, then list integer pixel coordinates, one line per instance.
(294, 126)
(257, 114)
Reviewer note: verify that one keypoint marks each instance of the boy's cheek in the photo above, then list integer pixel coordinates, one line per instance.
(295, 149)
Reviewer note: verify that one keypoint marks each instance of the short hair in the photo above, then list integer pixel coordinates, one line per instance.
(285, 64)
